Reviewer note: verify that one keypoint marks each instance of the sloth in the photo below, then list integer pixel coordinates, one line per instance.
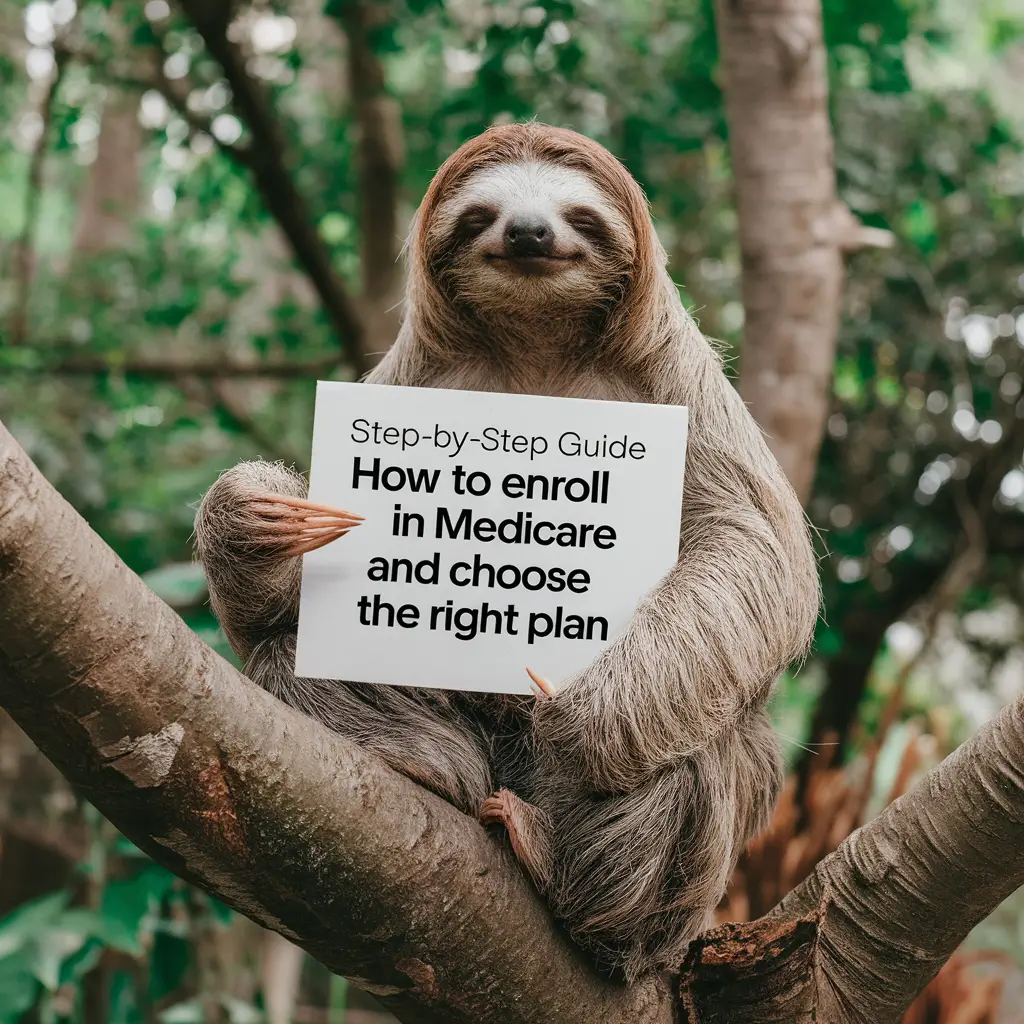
(628, 791)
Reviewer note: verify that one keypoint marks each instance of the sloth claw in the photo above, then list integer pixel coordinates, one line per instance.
(542, 687)
(527, 829)
(289, 527)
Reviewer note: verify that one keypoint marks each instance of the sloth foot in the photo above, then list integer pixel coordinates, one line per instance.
(528, 830)
(288, 527)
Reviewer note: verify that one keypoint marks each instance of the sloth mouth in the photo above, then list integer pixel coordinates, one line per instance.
(534, 266)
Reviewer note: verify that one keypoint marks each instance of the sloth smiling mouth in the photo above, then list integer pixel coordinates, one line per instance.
(534, 266)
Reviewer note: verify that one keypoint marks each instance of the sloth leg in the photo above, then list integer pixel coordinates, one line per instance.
(529, 831)
(637, 876)
(250, 527)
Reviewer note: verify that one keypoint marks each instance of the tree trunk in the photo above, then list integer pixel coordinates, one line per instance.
(792, 227)
(379, 156)
(111, 199)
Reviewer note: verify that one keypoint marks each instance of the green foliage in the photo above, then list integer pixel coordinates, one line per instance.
(47, 947)
(931, 352)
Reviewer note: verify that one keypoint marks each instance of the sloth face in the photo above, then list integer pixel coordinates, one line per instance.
(530, 239)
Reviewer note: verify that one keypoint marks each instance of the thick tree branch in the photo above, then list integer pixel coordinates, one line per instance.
(793, 229)
(307, 834)
(267, 158)
(295, 827)
(903, 891)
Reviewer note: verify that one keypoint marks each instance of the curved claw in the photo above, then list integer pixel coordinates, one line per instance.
(493, 811)
(291, 527)
(541, 687)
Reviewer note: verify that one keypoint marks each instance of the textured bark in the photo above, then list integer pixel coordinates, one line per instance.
(792, 227)
(752, 974)
(902, 892)
(292, 825)
(267, 157)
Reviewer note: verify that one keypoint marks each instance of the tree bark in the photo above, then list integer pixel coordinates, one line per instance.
(792, 227)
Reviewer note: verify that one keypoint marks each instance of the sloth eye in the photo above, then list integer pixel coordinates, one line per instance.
(474, 221)
(588, 222)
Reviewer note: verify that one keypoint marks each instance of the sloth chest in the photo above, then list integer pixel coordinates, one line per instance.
(554, 381)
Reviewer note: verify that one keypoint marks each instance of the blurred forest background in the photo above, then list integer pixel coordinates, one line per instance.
(174, 225)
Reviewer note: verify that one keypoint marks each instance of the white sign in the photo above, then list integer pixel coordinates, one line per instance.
(501, 532)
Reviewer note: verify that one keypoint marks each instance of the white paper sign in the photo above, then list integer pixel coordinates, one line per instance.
(501, 532)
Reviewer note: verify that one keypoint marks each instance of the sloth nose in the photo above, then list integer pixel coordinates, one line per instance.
(529, 236)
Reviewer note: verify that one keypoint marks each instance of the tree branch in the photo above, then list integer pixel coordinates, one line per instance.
(309, 835)
(267, 158)
(174, 369)
(294, 826)
(903, 891)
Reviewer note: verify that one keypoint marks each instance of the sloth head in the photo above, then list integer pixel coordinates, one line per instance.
(528, 221)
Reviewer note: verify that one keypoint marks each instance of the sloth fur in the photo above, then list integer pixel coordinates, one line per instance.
(629, 795)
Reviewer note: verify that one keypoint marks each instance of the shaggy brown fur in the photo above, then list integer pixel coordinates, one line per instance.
(629, 794)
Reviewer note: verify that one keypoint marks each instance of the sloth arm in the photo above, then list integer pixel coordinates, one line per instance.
(705, 647)
(254, 587)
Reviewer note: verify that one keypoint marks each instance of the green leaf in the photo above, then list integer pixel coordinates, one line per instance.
(127, 904)
(49, 952)
(18, 987)
(28, 920)
(919, 225)
(107, 928)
